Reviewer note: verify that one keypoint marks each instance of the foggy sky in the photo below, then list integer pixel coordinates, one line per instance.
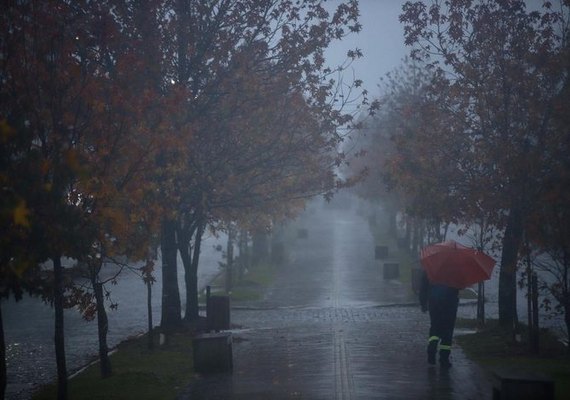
(381, 40)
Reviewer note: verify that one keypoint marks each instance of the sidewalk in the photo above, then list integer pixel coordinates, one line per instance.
(332, 328)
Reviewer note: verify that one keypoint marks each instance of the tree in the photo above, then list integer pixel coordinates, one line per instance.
(407, 164)
(144, 64)
(44, 74)
(548, 231)
(504, 66)
(117, 114)
(117, 191)
(76, 144)
(232, 71)
(19, 273)
(553, 247)
(18, 266)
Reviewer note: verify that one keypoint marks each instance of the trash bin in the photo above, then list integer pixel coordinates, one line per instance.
(218, 313)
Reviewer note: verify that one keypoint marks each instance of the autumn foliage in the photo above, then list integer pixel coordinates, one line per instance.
(476, 127)
(125, 126)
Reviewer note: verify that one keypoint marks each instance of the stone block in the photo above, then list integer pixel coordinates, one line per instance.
(212, 352)
(521, 386)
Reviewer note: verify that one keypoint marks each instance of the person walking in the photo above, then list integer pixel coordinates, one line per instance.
(442, 302)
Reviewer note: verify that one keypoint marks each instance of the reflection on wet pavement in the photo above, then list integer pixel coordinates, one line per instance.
(333, 328)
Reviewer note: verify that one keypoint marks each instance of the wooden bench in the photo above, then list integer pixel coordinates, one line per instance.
(521, 386)
(212, 352)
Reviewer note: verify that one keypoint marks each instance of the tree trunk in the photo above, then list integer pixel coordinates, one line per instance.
(481, 304)
(508, 272)
(408, 233)
(247, 252)
(103, 328)
(171, 311)
(415, 235)
(191, 278)
(481, 285)
(567, 321)
(421, 238)
(3, 375)
(529, 295)
(184, 236)
(59, 338)
(243, 253)
(149, 313)
(535, 331)
(230, 260)
(392, 221)
(260, 247)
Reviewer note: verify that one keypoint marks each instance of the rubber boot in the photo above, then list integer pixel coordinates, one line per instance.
(444, 358)
(432, 350)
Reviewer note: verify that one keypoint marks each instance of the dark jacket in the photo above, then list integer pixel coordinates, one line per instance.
(424, 291)
(430, 293)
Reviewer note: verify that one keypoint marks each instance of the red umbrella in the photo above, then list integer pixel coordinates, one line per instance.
(452, 264)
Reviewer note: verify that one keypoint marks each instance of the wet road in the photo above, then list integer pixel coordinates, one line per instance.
(332, 328)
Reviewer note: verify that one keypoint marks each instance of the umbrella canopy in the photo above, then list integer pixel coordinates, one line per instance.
(452, 264)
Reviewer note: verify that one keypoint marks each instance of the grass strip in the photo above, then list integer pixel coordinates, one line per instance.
(138, 373)
(252, 287)
(493, 348)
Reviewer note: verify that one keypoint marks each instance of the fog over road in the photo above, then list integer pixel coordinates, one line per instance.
(333, 328)
(329, 303)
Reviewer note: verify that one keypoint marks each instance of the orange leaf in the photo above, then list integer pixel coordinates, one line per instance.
(21, 214)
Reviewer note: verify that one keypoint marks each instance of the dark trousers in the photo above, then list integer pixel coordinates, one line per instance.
(442, 314)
